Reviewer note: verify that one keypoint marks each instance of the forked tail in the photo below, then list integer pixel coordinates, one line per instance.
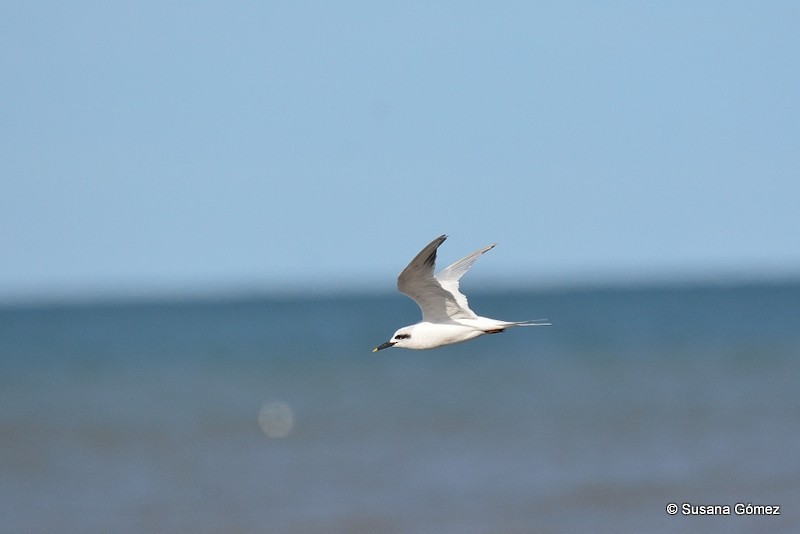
(535, 322)
(501, 326)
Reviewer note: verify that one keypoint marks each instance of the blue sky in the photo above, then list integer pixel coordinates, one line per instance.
(206, 146)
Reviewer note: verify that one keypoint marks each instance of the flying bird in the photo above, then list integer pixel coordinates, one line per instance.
(446, 317)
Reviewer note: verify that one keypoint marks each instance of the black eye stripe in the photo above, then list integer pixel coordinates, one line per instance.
(402, 336)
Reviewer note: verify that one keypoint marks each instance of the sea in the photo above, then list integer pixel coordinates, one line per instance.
(272, 414)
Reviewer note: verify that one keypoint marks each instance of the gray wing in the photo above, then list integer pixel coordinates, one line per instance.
(438, 305)
(448, 277)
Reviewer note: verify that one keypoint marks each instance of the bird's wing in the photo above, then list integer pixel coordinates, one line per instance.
(448, 277)
(438, 305)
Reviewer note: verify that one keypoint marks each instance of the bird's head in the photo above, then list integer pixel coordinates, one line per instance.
(401, 338)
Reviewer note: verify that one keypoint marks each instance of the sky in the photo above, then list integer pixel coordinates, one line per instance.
(196, 147)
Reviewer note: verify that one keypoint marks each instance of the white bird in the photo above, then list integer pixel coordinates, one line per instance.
(446, 317)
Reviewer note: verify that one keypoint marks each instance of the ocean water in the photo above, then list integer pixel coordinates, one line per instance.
(273, 415)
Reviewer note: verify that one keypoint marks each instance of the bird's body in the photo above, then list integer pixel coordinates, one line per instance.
(446, 316)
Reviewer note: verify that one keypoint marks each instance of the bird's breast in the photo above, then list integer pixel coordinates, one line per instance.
(432, 335)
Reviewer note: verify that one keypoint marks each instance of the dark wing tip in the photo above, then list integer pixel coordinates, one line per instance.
(426, 259)
(435, 244)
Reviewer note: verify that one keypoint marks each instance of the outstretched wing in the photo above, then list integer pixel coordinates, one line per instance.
(438, 305)
(448, 277)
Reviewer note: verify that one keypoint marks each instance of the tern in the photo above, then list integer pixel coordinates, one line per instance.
(446, 317)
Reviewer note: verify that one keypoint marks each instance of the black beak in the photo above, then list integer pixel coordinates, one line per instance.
(383, 346)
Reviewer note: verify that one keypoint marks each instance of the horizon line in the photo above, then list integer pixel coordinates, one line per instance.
(143, 294)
